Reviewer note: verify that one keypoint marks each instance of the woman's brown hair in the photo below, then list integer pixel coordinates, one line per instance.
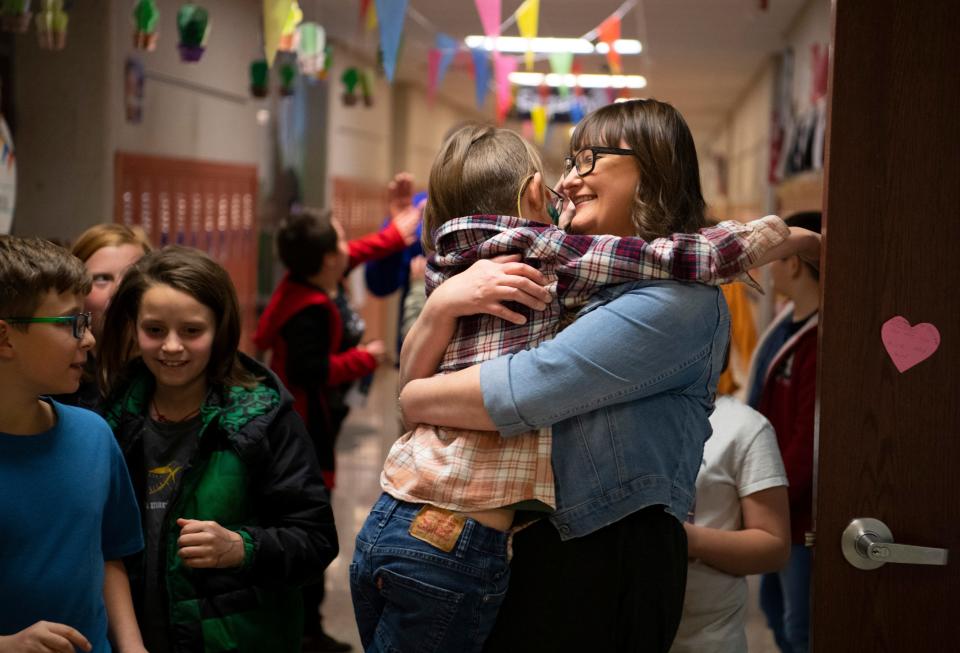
(669, 198)
(108, 235)
(192, 272)
(478, 170)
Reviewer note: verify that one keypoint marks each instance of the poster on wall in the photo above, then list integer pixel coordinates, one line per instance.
(8, 178)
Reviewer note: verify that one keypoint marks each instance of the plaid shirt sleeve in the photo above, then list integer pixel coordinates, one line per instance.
(715, 255)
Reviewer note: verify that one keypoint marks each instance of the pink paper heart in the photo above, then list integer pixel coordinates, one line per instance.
(908, 345)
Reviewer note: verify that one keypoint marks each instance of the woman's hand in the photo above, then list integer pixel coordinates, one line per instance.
(483, 287)
(207, 544)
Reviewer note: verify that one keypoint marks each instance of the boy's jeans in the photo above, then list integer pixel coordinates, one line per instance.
(409, 595)
(785, 600)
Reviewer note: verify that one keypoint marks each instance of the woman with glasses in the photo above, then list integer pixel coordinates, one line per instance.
(627, 389)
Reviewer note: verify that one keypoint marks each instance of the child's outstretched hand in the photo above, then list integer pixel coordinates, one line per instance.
(400, 193)
(406, 222)
(377, 349)
(45, 636)
(207, 545)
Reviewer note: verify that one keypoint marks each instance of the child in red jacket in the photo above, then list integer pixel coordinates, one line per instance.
(783, 388)
(316, 337)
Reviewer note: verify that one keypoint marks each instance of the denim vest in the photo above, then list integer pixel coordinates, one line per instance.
(628, 388)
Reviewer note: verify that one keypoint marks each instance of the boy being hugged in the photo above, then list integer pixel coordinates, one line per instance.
(67, 509)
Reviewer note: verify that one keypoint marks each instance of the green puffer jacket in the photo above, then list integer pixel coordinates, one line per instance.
(254, 472)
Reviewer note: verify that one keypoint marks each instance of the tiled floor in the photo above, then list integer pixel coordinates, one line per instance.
(363, 445)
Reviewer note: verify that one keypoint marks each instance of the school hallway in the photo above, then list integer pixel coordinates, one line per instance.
(361, 449)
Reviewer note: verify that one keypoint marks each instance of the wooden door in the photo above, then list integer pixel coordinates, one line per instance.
(203, 204)
(888, 443)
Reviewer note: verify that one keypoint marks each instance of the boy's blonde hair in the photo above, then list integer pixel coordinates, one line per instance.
(109, 235)
(478, 170)
(31, 267)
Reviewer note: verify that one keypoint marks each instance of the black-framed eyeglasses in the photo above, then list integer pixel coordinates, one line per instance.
(80, 322)
(585, 159)
(555, 205)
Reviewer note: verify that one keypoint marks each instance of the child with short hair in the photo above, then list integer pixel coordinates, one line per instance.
(234, 507)
(67, 509)
(316, 338)
(451, 495)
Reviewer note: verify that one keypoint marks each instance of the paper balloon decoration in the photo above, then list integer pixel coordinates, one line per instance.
(288, 78)
(52, 22)
(145, 19)
(193, 24)
(288, 33)
(311, 49)
(15, 15)
(259, 74)
(350, 79)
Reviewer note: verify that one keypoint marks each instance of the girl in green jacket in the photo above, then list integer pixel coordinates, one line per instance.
(235, 513)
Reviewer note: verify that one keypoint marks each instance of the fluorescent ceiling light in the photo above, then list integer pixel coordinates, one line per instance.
(548, 45)
(583, 81)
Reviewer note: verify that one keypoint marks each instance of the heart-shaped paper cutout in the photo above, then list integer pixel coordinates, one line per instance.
(908, 345)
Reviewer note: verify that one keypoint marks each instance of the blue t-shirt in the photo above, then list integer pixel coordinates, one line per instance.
(66, 505)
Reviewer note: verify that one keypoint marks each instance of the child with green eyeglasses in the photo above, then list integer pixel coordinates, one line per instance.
(451, 497)
(67, 509)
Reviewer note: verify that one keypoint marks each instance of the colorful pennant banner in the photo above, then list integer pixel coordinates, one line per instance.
(481, 73)
(390, 15)
(489, 11)
(608, 32)
(528, 16)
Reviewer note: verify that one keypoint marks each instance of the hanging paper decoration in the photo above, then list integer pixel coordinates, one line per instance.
(16, 15)
(145, 19)
(350, 78)
(576, 110)
(288, 34)
(538, 115)
(193, 24)
(365, 89)
(608, 32)
(433, 67)
(288, 77)
(52, 23)
(489, 11)
(259, 75)
(448, 48)
(311, 49)
(327, 62)
(528, 16)
(275, 16)
(481, 74)
(560, 63)
(391, 14)
(503, 67)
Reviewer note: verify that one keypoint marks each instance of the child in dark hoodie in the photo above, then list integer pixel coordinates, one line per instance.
(234, 508)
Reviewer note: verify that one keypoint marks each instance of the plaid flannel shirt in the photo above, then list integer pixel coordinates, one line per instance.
(468, 470)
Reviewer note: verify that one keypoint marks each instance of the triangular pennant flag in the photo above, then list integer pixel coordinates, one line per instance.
(489, 11)
(433, 67)
(364, 8)
(608, 32)
(390, 14)
(528, 16)
(560, 63)
(447, 46)
(538, 115)
(503, 66)
(275, 13)
(371, 23)
(481, 73)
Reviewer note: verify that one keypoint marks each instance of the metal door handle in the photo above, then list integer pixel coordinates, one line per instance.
(868, 544)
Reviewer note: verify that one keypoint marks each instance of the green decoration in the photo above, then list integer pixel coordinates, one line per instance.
(350, 78)
(365, 89)
(146, 15)
(288, 76)
(259, 74)
(52, 22)
(193, 23)
(16, 15)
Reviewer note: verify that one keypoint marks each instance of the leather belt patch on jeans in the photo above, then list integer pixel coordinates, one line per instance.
(438, 527)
